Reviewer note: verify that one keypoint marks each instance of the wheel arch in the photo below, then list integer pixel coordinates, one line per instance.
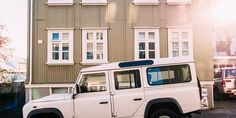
(169, 103)
(45, 111)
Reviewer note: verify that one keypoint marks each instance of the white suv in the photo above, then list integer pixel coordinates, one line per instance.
(135, 89)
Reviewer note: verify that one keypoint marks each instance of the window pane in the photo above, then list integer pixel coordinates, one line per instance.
(157, 75)
(99, 46)
(59, 90)
(175, 53)
(89, 46)
(142, 46)
(99, 54)
(90, 36)
(141, 35)
(185, 45)
(55, 55)
(65, 47)
(99, 36)
(175, 45)
(168, 75)
(151, 46)
(55, 36)
(175, 35)
(65, 36)
(184, 35)
(55, 47)
(90, 55)
(185, 53)
(65, 55)
(141, 54)
(152, 54)
(127, 79)
(151, 35)
(93, 83)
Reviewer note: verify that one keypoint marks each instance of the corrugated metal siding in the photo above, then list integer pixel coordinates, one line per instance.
(60, 16)
(202, 43)
(178, 15)
(146, 16)
(120, 16)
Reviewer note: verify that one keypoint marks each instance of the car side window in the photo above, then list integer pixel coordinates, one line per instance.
(127, 79)
(93, 83)
(218, 74)
(168, 74)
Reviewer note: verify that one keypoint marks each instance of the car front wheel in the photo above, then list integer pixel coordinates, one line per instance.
(164, 113)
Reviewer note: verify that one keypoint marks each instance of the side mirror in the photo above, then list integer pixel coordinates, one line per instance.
(76, 90)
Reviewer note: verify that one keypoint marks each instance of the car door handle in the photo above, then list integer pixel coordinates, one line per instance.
(105, 102)
(137, 99)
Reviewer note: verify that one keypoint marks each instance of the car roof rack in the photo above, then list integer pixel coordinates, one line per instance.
(135, 63)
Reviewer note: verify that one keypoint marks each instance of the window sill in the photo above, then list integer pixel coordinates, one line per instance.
(60, 4)
(98, 3)
(93, 63)
(146, 3)
(60, 63)
(179, 3)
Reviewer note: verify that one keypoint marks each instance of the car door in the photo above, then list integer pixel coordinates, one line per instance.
(229, 76)
(93, 99)
(127, 92)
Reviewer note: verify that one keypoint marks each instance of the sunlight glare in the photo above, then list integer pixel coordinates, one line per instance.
(224, 10)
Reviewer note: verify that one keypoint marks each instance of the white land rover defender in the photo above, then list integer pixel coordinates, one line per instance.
(137, 89)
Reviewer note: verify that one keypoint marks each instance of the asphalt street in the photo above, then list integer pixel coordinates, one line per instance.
(223, 109)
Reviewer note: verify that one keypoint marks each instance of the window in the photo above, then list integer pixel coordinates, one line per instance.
(59, 90)
(94, 2)
(218, 75)
(94, 46)
(230, 73)
(93, 83)
(168, 74)
(146, 2)
(60, 47)
(60, 2)
(127, 79)
(179, 1)
(146, 44)
(180, 43)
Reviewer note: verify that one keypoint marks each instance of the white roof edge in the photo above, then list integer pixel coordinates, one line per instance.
(160, 61)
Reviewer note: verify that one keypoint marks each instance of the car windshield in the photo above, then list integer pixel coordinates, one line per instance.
(230, 73)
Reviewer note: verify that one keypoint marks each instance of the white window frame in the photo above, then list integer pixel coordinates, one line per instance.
(60, 2)
(94, 61)
(94, 2)
(180, 41)
(50, 61)
(137, 41)
(146, 2)
(174, 2)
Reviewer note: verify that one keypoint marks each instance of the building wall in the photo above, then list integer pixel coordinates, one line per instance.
(120, 16)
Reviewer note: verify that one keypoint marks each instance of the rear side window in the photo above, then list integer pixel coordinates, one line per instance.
(127, 79)
(218, 74)
(229, 73)
(168, 74)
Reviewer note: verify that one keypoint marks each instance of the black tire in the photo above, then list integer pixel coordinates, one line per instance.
(217, 95)
(165, 113)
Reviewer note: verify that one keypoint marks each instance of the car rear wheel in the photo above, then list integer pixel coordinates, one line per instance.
(164, 113)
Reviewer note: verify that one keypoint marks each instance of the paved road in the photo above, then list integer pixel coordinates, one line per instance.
(223, 109)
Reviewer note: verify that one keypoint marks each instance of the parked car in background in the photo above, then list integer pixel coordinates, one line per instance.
(224, 83)
(137, 89)
(12, 96)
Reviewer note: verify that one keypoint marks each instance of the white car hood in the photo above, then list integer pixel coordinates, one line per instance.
(53, 97)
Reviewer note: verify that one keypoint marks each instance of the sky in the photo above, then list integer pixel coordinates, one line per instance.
(13, 14)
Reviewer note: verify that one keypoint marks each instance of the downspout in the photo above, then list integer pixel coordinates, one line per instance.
(30, 21)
